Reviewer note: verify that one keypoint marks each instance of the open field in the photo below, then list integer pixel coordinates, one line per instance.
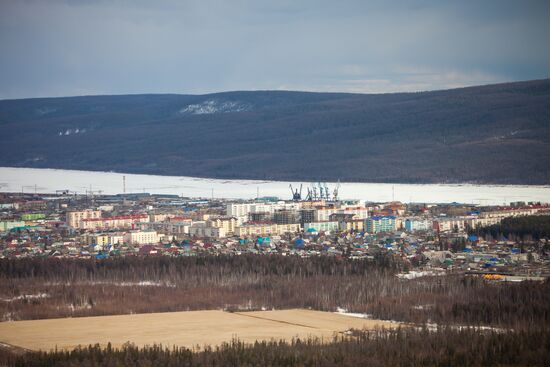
(186, 329)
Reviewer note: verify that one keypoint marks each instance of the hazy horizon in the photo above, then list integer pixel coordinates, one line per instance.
(266, 90)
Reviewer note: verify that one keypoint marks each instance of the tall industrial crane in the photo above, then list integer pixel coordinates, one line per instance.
(309, 196)
(296, 195)
(335, 192)
(327, 191)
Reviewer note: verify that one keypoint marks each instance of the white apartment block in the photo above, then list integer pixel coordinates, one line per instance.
(228, 224)
(418, 224)
(74, 218)
(126, 221)
(167, 227)
(142, 237)
(361, 212)
(510, 213)
(203, 231)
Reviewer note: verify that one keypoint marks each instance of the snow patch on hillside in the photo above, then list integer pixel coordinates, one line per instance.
(71, 132)
(215, 106)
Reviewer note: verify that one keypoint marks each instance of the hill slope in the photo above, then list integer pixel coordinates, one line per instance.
(490, 134)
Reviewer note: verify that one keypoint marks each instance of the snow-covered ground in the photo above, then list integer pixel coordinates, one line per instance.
(144, 283)
(50, 180)
(419, 274)
(343, 311)
(25, 296)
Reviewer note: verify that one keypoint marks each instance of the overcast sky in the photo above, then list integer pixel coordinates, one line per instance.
(82, 47)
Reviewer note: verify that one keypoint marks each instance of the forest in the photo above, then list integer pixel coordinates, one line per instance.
(401, 347)
(532, 227)
(487, 134)
(46, 288)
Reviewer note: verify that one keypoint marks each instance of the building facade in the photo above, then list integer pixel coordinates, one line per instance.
(380, 224)
(141, 237)
(122, 222)
(75, 218)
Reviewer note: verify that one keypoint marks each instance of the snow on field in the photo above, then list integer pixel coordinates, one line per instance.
(343, 311)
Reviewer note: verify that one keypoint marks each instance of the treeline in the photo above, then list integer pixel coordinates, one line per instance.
(46, 288)
(199, 268)
(531, 227)
(410, 347)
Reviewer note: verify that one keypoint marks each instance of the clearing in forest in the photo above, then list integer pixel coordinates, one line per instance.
(186, 329)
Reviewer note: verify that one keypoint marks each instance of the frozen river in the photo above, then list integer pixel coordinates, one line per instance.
(50, 180)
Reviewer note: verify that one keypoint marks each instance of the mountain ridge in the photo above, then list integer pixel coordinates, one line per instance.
(498, 133)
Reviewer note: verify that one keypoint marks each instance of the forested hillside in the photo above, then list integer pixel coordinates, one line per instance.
(488, 134)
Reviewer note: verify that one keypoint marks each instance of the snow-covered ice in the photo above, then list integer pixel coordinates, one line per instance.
(50, 180)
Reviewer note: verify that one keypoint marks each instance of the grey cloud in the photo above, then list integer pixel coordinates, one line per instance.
(74, 47)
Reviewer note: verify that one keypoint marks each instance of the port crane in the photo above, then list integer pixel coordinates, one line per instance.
(296, 195)
(335, 192)
(316, 191)
(321, 189)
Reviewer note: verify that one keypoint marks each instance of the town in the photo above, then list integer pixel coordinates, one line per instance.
(430, 239)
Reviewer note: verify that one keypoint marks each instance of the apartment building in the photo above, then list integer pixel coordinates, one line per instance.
(239, 211)
(360, 212)
(124, 221)
(449, 224)
(474, 222)
(266, 229)
(242, 211)
(74, 218)
(381, 224)
(323, 214)
(228, 224)
(509, 212)
(418, 224)
(173, 228)
(321, 226)
(200, 229)
(142, 237)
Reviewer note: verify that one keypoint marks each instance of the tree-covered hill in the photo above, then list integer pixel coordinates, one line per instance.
(489, 134)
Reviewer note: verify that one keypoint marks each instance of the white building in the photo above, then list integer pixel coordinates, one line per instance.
(418, 224)
(74, 218)
(142, 237)
(201, 229)
(239, 211)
